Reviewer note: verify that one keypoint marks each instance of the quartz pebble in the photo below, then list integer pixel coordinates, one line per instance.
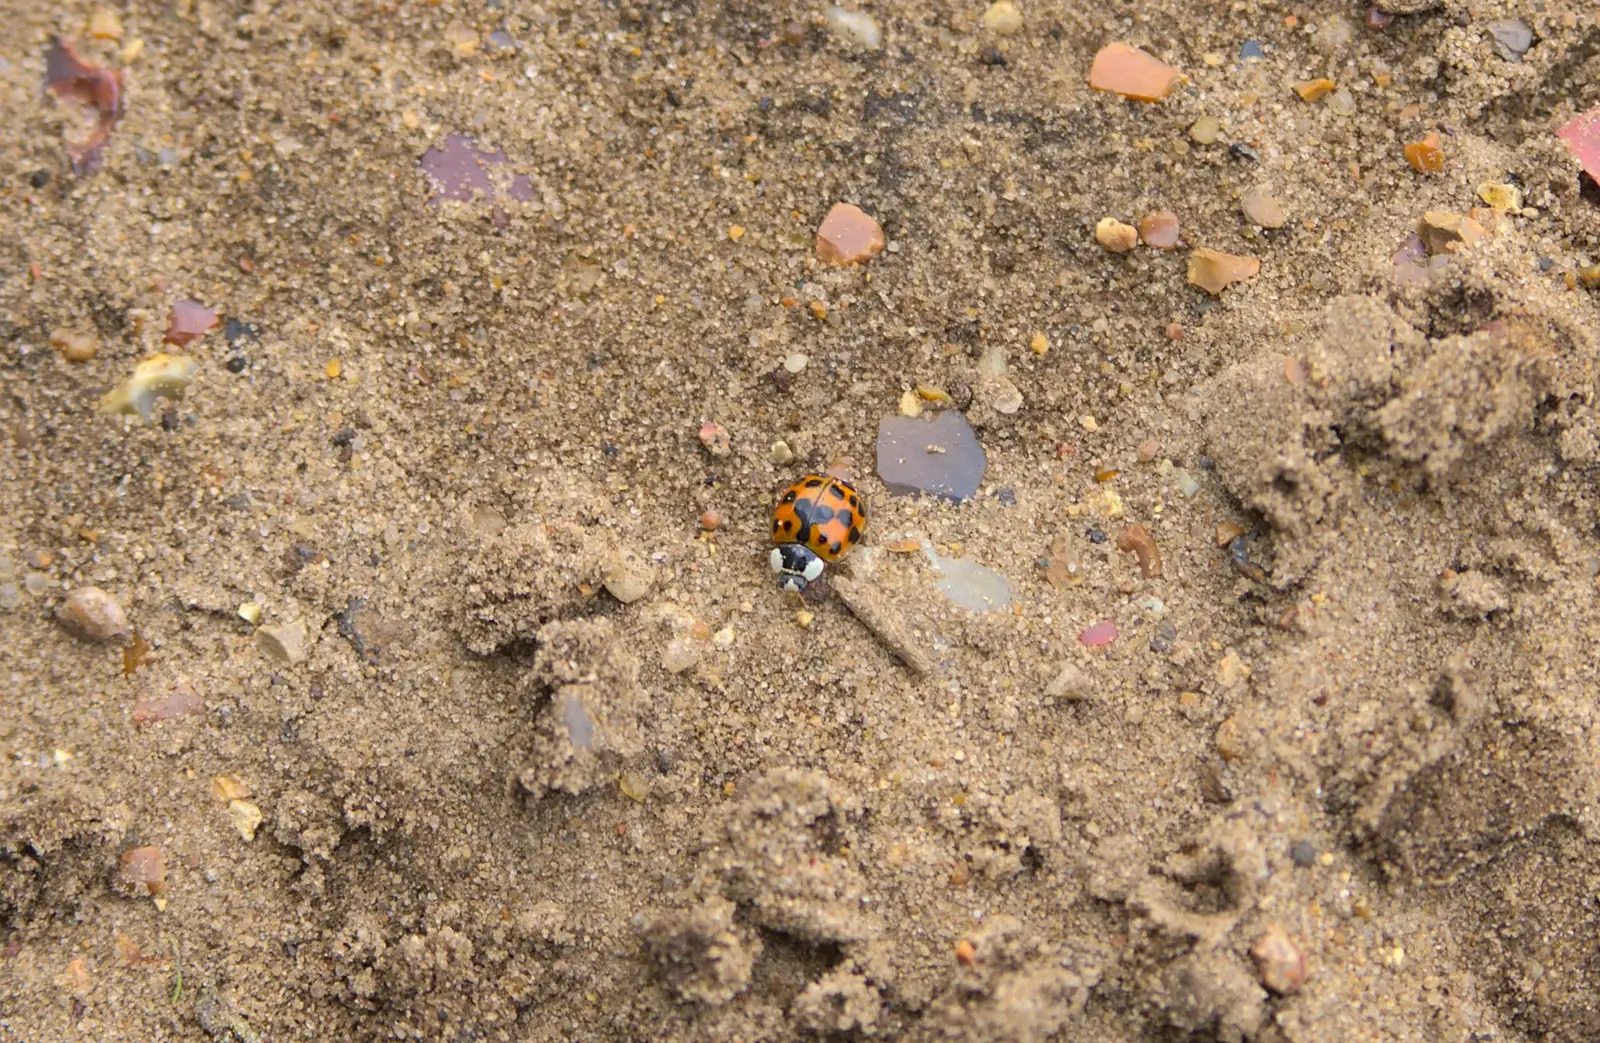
(940, 457)
(795, 362)
(1261, 207)
(93, 614)
(1130, 72)
(679, 655)
(1426, 156)
(1115, 236)
(780, 453)
(285, 642)
(854, 27)
(1159, 230)
(848, 235)
(1279, 962)
(1003, 18)
(1214, 271)
(1205, 130)
(968, 584)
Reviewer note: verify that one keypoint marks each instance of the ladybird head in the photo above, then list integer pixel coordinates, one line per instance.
(796, 566)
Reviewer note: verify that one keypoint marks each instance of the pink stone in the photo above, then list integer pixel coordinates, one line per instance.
(1102, 633)
(188, 322)
(1582, 135)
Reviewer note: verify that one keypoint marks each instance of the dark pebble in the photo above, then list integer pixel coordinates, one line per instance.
(991, 56)
(1204, 462)
(1239, 150)
(233, 331)
(1166, 636)
(611, 451)
(344, 436)
(1304, 853)
(1546, 263)
(765, 104)
(237, 364)
(40, 178)
(1007, 497)
(1251, 50)
(1096, 536)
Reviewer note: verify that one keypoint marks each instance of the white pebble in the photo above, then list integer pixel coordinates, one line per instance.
(855, 27)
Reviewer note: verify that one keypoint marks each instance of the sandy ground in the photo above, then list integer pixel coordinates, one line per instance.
(1333, 780)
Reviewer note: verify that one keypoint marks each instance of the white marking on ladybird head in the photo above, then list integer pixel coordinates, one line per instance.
(813, 569)
(791, 582)
(776, 558)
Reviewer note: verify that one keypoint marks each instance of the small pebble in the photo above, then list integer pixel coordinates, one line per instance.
(1582, 135)
(1115, 236)
(780, 453)
(1279, 962)
(940, 457)
(246, 818)
(1313, 90)
(1070, 683)
(10, 596)
(634, 786)
(1130, 72)
(1260, 206)
(680, 655)
(1444, 232)
(106, 24)
(1188, 485)
(285, 642)
(187, 322)
(716, 439)
(848, 236)
(1511, 38)
(1343, 103)
(1003, 18)
(1096, 536)
(1214, 271)
(854, 27)
(910, 403)
(1205, 130)
(1101, 633)
(1426, 156)
(1159, 230)
(711, 520)
(1040, 344)
(795, 362)
(1164, 639)
(159, 376)
(626, 577)
(968, 584)
(93, 614)
(1149, 449)
(250, 612)
(36, 583)
(1250, 51)
(1501, 197)
(1303, 853)
(142, 871)
(75, 345)
(722, 640)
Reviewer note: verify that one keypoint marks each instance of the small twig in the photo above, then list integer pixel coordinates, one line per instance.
(177, 971)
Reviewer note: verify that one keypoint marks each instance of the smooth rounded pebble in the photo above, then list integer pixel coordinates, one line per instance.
(93, 614)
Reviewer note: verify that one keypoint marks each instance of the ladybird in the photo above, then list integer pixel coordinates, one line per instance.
(818, 519)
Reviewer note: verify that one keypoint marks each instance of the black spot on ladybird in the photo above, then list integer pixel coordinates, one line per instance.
(812, 483)
(835, 547)
(855, 534)
(788, 497)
